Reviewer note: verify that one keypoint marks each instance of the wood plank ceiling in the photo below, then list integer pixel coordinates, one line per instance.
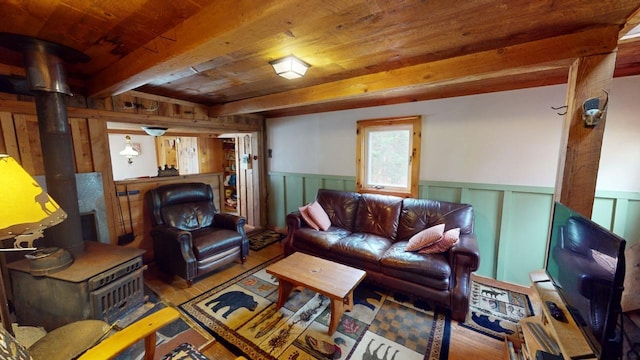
(362, 52)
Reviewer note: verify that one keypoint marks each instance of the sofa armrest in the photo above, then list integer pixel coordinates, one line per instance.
(466, 251)
(464, 258)
(229, 221)
(169, 232)
(170, 236)
(235, 223)
(169, 241)
(294, 222)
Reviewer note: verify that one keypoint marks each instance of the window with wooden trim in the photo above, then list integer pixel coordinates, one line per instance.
(388, 155)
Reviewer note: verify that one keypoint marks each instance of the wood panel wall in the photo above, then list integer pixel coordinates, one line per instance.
(135, 217)
(19, 136)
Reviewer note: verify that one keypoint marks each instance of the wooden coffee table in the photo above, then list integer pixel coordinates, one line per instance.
(333, 280)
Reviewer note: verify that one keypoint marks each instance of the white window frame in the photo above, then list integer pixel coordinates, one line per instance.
(364, 128)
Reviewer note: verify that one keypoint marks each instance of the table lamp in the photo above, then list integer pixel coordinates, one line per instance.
(25, 208)
(25, 211)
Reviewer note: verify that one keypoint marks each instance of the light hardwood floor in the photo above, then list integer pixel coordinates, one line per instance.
(465, 343)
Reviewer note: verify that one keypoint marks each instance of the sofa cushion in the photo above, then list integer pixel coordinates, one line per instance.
(425, 238)
(431, 270)
(449, 239)
(319, 241)
(319, 216)
(419, 214)
(361, 250)
(307, 218)
(340, 206)
(378, 214)
(210, 241)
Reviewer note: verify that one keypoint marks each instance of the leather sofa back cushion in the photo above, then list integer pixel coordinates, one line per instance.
(177, 195)
(378, 214)
(189, 216)
(420, 214)
(340, 206)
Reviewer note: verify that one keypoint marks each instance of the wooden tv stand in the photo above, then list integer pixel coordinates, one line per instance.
(564, 337)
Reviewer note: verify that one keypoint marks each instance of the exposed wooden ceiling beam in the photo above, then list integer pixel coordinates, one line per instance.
(545, 77)
(204, 125)
(212, 32)
(512, 60)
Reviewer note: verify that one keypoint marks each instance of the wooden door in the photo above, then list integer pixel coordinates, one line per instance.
(248, 178)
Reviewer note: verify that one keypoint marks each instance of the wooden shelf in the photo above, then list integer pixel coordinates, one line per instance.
(230, 164)
(568, 335)
(555, 334)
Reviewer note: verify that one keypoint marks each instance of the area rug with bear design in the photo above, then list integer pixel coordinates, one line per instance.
(241, 313)
(495, 312)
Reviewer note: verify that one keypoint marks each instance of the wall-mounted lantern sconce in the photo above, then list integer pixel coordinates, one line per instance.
(591, 111)
(290, 67)
(129, 152)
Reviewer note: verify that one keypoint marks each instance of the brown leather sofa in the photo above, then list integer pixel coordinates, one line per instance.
(190, 237)
(370, 232)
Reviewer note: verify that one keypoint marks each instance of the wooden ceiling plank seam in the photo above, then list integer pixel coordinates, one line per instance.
(34, 13)
(195, 42)
(569, 46)
(342, 40)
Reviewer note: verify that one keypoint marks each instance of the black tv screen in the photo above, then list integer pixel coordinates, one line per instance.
(586, 264)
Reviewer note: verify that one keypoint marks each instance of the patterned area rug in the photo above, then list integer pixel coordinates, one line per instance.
(495, 312)
(241, 313)
(263, 239)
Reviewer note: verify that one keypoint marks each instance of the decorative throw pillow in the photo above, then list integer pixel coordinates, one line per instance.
(449, 238)
(425, 238)
(304, 212)
(319, 216)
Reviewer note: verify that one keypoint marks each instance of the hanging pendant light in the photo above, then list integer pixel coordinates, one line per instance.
(154, 130)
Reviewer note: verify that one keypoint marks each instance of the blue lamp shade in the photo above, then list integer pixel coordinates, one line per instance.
(290, 67)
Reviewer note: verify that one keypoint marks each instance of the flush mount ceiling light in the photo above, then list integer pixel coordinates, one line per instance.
(154, 130)
(290, 67)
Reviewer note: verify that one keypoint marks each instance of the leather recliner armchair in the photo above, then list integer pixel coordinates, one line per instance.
(190, 237)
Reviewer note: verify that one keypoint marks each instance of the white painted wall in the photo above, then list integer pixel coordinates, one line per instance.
(620, 158)
(509, 138)
(146, 164)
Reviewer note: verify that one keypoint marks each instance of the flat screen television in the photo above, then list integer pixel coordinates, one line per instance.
(586, 264)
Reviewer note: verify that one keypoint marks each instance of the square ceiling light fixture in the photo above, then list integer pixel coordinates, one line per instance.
(290, 67)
